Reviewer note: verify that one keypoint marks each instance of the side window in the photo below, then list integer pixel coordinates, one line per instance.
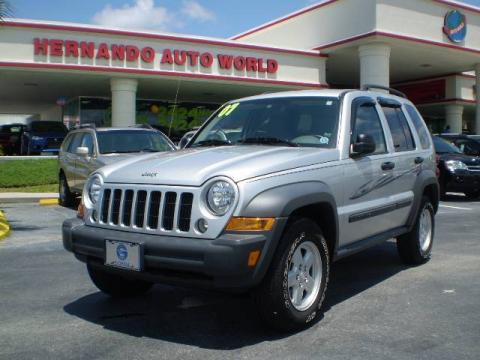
(76, 141)
(401, 133)
(366, 121)
(87, 141)
(66, 142)
(419, 126)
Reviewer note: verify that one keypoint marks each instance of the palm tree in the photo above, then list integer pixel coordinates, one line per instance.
(4, 9)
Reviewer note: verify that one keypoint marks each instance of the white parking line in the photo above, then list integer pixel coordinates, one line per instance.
(455, 207)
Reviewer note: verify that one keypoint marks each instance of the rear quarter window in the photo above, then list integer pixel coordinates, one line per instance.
(420, 126)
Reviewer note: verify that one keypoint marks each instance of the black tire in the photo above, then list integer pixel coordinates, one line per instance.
(272, 296)
(473, 195)
(117, 285)
(409, 245)
(65, 197)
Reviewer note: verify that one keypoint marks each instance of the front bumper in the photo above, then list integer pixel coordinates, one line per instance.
(463, 181)
(220, 263)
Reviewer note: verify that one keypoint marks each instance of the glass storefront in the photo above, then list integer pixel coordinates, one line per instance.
(173, 119)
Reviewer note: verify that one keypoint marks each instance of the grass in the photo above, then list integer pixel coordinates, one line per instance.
(28, 175)
(48, 188)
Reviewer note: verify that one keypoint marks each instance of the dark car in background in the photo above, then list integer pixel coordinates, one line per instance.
(464, 143)
(10, 138)
(458, 172)
(42, 137)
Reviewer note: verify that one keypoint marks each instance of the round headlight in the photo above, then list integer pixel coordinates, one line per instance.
(453, 165)
(94, 186)
(220, 197)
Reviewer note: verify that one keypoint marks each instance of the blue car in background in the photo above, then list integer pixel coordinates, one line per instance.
(42, 137)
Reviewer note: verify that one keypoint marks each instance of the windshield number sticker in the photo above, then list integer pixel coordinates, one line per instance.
(324, 140)
(227, 110)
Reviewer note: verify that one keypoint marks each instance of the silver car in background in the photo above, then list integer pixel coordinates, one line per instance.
(87, 149)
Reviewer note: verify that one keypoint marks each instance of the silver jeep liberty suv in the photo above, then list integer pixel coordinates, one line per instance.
(264, 197)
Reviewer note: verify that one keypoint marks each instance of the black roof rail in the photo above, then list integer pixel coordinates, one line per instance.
(86, 126)
(367, 87)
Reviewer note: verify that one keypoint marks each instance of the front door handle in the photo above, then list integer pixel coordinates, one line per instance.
(418, 160)
(388, 165)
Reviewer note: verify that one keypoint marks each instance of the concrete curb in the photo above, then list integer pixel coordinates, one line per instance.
(4, 226)
(16, 197)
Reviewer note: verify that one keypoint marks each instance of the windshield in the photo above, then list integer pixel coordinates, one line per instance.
(130, 141)
(295, 121)
(468, 146)
(48, 126)
(442, 146)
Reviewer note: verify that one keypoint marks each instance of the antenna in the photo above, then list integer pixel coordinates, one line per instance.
(174, 108)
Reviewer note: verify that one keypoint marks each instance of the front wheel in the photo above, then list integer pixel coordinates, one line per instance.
(116, 285)
(294, 288)
(415, 247)
(65, 197)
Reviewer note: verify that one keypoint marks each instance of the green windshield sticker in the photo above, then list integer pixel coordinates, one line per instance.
(227, 110)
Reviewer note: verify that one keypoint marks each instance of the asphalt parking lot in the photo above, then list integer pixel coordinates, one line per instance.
(376, 308)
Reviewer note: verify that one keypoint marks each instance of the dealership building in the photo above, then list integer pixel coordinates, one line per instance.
(77, 73)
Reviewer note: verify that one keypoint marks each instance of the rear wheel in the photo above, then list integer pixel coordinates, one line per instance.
(64, 195)
(293, 290)
(473, 194)
(116, 285)
(415, 247)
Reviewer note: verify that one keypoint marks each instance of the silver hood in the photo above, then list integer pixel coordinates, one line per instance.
(192, 167)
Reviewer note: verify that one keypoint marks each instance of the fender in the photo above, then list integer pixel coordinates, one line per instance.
(281, 202)
(424, 179)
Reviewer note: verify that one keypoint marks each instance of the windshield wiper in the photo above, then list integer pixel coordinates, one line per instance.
(149, 150)
(267, 141)
(211, 142)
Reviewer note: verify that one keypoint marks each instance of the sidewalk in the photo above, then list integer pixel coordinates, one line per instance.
(20, 197)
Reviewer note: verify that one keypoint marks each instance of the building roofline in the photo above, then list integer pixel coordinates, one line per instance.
(74, 27)
(398, 37)
(282, 19)
(313, 7)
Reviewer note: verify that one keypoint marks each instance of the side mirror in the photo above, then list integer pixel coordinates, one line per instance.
(363, 146)
(82, 151)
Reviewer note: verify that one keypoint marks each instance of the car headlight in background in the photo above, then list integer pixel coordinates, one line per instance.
(220, 197)
(453, 165)
(36, 138)
(94, 186)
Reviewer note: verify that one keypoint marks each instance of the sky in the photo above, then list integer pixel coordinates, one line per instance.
(216, 18)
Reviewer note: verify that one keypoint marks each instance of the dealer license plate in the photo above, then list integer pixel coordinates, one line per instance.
(123, 254)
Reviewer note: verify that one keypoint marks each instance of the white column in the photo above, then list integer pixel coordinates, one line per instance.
(374, 64)
(453, 114)
(124, 94)
(477, 111)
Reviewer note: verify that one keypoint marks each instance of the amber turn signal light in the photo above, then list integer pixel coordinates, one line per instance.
(250, 224)
(253, 257)
(80, 211)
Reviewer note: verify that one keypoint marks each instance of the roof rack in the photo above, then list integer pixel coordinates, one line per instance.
(367, 87)
(86, 126)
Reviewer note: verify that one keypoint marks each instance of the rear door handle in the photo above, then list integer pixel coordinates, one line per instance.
(388, 165)
(418, 160)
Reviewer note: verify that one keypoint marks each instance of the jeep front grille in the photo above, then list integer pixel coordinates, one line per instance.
(146, 209)
(474, 167)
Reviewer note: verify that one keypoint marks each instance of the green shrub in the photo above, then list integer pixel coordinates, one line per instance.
(19, 173)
